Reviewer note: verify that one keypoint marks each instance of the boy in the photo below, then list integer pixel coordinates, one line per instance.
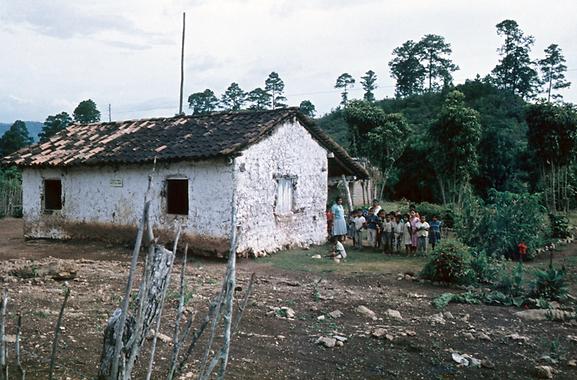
(423, 235)
(372, 227)
(359, 222)
(387, 234)
(338, 253)
(435, 228)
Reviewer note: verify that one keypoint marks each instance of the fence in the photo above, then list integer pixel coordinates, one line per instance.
(10, 197)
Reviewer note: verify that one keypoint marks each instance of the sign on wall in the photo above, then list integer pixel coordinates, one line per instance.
(116, 182)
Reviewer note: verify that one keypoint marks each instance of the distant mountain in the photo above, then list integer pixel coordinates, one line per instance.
(34, 128)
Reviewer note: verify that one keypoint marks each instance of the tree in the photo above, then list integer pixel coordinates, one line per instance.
(308, 108)
(15, 138)
(345, 81)
(434, 54)
(407, 70)
(515, 70)
(233, 98)
(454, 139)
(86, 112)
(275, 87)
(259, 99)
(53, 125)
(552, 138)
(386, 143)
(368, 82)
(553, 71)
(202, 103)
(384, 135)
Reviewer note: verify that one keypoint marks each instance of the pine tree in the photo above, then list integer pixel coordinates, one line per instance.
(515, 71)
(15, 138)
(233, 98)
(407, 69)
(368, 81)
(86, 112)
(259, 99)
(203, 102)
(275, 87)
(553, 71)
(53, 125)
(344, 81)
(434, 54)
(307, 108)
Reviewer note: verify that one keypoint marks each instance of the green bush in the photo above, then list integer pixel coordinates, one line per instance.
(450, 262)
(512, 283)
(486, 268)
(505, 221)
(559, 226)
(549, 284)
(444, 213)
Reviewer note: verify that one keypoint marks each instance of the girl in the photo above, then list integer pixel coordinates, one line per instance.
(339, 222)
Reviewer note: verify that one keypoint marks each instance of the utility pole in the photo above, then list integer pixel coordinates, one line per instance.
(109, 113)
(182, 63)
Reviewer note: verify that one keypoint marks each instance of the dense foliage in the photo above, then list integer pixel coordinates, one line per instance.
(503, 222)
(15, 138)
(450, 262)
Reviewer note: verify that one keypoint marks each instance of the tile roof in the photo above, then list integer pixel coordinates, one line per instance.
(168, 139)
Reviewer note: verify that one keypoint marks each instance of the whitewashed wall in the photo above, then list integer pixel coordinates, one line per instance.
(89, 198)
(292, 151)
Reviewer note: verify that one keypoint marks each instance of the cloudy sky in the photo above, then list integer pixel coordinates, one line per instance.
(127, 52)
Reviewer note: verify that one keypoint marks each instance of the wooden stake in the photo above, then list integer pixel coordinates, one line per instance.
(159, 316)
(17, 348)
(57, 334)
(3, 365)
(118, 345)
(176, 337)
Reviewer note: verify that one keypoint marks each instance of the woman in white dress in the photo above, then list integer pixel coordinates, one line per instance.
(339, 222)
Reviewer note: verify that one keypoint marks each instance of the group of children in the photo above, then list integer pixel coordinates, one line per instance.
(390, 231)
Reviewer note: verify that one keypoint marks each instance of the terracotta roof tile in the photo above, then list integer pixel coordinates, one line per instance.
(168, 139)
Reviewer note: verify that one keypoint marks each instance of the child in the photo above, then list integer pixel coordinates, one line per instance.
(435, 228)
(359, 222)
(338, 253)
(372, 227)
(398, 232)
(423, 235)
(387, 234)
(407, 234)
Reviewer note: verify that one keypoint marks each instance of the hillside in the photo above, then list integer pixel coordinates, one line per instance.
(34, 128)
(503, 157)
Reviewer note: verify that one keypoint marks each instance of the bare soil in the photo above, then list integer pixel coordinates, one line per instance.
(268, 347)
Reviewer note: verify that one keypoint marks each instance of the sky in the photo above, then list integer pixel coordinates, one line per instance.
(126, 53)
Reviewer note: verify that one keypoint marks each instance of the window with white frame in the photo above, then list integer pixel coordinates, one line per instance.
(285, 195)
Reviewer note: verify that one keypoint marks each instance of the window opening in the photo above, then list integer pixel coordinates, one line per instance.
(285, 195)
(52, 194)
(177, 196)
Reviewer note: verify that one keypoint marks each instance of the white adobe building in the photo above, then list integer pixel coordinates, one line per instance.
(88, 181)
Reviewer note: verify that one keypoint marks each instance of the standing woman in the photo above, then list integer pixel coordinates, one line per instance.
(339, 222)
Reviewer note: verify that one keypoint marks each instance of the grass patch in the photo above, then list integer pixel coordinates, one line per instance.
(300, 260)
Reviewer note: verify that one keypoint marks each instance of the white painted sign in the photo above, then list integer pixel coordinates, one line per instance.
(116, 182)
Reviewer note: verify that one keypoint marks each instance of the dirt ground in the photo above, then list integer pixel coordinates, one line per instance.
(418, 344)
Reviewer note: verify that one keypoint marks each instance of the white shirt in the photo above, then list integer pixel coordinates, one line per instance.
(359, 222)
(423, 229)
(388, 226)
(340, 250)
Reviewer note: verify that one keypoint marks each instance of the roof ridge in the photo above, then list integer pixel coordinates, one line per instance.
(216, 113)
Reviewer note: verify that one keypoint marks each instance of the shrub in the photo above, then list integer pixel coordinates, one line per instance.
(512, 283)
(549, 284)
(450, 262)
(499, 226)
(444, 213)
(559, 226)
(486, 268)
